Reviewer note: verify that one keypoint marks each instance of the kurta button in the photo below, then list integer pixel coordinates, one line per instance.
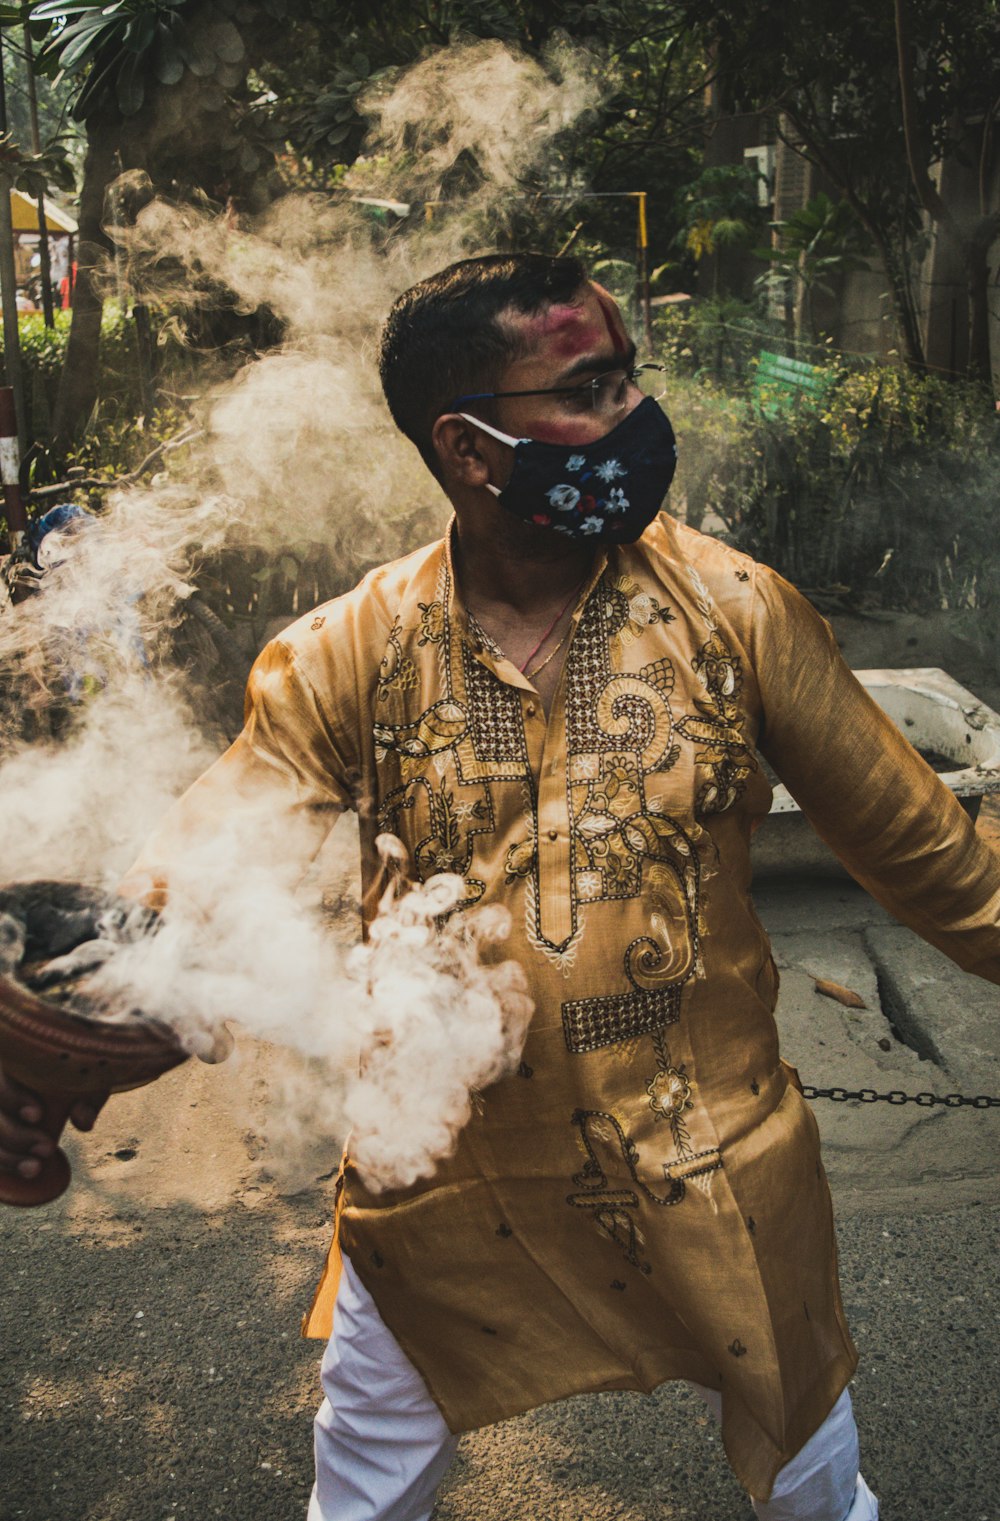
(553, 834)
(530, 710)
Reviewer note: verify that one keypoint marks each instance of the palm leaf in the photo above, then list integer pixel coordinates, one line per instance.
(139, 33)
(130, 88)
(94, 92)
(76, 50)
(168, 65)
(57, 42)
(55, 10)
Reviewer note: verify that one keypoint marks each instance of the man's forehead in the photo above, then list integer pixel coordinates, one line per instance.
(567, 329)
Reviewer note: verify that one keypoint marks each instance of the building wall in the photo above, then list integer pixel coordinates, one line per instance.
(859, 316)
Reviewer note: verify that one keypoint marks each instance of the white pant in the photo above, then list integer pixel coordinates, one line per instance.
(382, 1447)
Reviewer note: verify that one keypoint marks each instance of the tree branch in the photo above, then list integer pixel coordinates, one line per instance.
(927, 191)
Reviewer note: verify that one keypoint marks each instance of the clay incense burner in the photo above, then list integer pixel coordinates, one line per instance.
(65, 1057)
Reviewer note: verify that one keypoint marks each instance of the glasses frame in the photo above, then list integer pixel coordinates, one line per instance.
(579, 390)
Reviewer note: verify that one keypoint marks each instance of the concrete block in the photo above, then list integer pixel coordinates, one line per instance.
(939, 1010)
(880, 1154)
(815, 906)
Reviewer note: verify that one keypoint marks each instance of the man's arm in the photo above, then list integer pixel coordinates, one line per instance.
(877, 804)
(273, 796)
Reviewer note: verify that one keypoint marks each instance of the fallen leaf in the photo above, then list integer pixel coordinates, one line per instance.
(846, 996)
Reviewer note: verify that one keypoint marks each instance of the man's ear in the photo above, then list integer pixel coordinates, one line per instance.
(462, 450)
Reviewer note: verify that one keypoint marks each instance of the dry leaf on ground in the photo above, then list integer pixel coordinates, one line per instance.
(846, 996)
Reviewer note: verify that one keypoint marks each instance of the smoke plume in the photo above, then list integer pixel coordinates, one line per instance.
(98, 723)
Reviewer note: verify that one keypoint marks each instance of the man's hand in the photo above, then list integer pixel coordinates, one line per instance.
(24, 1144)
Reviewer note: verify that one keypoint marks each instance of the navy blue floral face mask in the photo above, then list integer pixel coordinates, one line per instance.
(608, 492)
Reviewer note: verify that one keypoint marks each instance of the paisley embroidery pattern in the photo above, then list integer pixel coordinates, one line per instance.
(716, 726)
(432, 617)
(397, 672)
(614, 1210)
(621, 732)
(641, 610)
(451, 827)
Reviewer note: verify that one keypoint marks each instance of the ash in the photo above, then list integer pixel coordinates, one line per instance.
(55, 935)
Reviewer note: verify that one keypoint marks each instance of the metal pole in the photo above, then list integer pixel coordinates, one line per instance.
(8, 286)
(44, 261)
(10, 471)
(643, 269)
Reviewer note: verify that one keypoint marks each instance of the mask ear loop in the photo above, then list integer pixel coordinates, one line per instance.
(504, 438)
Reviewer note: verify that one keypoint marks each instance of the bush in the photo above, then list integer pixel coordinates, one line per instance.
(42, 352)
(707, 421)
(884, 492)
(880, 494)
(716, 340)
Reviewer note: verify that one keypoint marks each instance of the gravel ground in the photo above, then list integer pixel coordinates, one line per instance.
(153, 1371)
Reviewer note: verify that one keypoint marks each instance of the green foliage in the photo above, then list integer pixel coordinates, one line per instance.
(722, 209)
(170, 78)
(122, 47)
(106, 441)
(329, 120)
(818, 244)
(715, 340)
(832, 70)
(645, 136)
(706, 420)
(35, 172)
(821, 239)
(116, 441)
(884, 493)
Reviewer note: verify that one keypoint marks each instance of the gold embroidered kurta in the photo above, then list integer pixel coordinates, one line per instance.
(643, 1200)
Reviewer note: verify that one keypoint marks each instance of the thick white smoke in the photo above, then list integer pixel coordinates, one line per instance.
(398, 1030)
(297, 448)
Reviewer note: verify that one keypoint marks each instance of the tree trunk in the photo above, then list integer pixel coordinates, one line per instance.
(78, 381)
(973, 244)
(978, 275)
(902, 300)
(900, 290)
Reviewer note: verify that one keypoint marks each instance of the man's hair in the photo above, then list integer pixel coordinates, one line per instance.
(444, 338)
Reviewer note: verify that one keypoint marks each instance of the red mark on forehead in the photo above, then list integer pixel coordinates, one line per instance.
(613, 323)
(565, 331)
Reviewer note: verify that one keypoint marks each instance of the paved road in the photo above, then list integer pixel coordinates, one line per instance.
(149, 1320)
(152, 1370)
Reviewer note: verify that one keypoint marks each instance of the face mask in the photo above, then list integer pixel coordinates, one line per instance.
(609, 491)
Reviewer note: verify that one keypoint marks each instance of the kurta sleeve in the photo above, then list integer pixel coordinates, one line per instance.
(286, 778)
(895, 825)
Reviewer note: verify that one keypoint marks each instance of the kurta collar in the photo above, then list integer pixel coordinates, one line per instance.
(478, 641)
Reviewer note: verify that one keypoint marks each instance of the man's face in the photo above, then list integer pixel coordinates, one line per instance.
(566, 345)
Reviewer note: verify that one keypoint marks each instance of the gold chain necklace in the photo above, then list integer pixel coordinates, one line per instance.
(550, 656)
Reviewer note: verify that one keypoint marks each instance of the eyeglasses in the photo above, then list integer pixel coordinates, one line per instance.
(605, 394)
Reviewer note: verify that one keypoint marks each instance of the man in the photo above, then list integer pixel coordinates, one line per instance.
(562, 702)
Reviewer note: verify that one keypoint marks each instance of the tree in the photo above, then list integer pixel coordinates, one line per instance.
(722, 211)
(647, 134)
(949, 97)
(878, 98)
(817, 245)
(159, 86)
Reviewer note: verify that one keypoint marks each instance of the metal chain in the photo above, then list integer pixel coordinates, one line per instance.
(925, 1100)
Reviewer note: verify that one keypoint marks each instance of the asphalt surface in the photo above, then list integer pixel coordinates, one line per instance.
(149, 1322)
(153, 1370)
